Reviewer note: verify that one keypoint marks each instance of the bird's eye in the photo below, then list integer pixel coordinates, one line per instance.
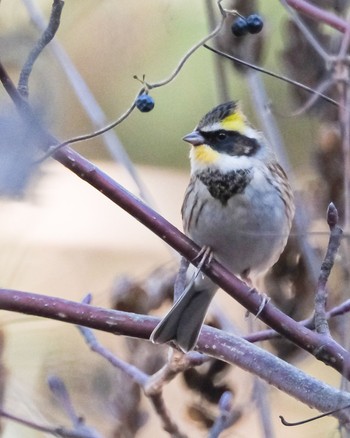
(221, 135)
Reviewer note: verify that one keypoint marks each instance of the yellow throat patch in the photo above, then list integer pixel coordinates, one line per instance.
(204, 154)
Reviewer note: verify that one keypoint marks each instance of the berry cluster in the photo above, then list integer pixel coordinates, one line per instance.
(144, 103)
(252, 24)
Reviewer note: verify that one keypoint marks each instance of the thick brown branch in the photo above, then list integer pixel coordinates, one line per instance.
(215, 343)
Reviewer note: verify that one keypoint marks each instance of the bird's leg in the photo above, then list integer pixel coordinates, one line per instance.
(264, 300)
(206, 255)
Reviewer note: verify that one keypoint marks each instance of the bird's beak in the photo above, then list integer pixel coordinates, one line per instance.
(195, 138)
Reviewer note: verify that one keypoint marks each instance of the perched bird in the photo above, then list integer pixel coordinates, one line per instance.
(238, 203)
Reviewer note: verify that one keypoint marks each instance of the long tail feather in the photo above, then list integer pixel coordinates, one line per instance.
(183, 322)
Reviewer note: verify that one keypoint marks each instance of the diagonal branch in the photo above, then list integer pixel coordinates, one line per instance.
(326, 350)
(318, 14)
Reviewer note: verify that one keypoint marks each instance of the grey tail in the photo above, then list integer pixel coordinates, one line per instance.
(182, 324)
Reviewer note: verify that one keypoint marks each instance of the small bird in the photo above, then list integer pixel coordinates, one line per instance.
(238, 203)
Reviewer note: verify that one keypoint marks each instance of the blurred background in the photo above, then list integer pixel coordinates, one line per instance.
(60, 237)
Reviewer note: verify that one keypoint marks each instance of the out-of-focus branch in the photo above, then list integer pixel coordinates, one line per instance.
(88, 102)
(227, 415)
(221, 81)
(271, 73)
(55, 431)
(336, 232)
(318, 14)
(60, 392)
(143, 379)
(265, 335)
(44, 40)
(306, 32)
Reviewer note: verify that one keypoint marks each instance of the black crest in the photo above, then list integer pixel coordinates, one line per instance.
(218, 113)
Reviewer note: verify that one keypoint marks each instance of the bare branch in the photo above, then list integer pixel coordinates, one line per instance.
(213, 342)
(318, 14)
(133, 372)
(270, 73)
(56, 147)
(227, 415)
(147, 86)
(56, 431)
(321, 324)
(88, 102)
(306, 32)
(61, 394)
(44, 40)
(265, 335)
(221, 76)
(139, 377)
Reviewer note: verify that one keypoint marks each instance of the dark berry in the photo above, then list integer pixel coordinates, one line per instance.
(145, 103)
(254, 23)
(239, 27)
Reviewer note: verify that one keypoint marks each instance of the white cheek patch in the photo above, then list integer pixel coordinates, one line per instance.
(227, 163)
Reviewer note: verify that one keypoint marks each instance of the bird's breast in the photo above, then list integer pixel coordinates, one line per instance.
(241, 216)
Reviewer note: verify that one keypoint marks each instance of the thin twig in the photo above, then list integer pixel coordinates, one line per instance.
(148, 86)
(227, 415)
(321, 88)
(221, 81)
(308, 420)
(321, 324)
(344, 46)
(165, 416)
(89, 102)
(306, 32)
(182, 62)
(138, 376)
(59, 390)
(56, 147)
(56, 431)
(265, 335)
(133, 372)
(44, 40)
(270, 73)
